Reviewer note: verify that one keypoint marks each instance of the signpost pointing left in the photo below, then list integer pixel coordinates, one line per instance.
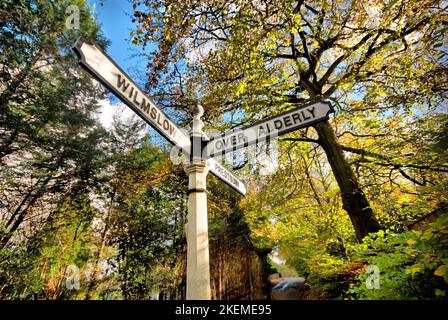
(106, 71)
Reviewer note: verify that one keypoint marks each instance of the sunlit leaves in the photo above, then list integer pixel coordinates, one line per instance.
(378, 61)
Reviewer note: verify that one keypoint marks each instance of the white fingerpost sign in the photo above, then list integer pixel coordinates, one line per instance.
(303, 116)
(198, 149)
(92, 58)
(108, 73)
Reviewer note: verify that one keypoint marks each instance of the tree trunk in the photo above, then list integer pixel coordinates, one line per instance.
(353, 199)
(20, 213)
(104, 234)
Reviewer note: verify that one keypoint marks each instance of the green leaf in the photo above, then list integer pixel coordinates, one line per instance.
(440, 293)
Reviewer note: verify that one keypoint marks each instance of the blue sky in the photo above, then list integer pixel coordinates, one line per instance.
(115, 20)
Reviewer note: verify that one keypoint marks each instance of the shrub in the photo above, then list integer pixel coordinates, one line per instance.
(412, 264)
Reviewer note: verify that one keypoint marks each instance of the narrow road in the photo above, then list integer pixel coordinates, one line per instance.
(288, 288)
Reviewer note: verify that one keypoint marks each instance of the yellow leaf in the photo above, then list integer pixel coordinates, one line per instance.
(410, 242)
(440, 271)
(241, 87)
(415, 269)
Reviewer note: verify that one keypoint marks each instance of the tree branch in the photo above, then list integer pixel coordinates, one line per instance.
(439, 168)
(362, 135)
(300, 139)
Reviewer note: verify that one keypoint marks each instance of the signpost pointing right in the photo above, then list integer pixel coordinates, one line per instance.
(270, 128)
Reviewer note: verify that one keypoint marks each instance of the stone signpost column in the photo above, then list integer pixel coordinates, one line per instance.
(198, 268)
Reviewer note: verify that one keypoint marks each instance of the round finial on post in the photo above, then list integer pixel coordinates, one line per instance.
(197, 112)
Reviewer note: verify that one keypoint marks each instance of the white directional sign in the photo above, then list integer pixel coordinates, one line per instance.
(300, 117)
(226, 176)
(106, 71)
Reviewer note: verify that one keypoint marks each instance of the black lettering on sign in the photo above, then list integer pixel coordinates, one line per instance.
(263, 131)
(227, 175)
(311, 110)
(226, 141)
(278, 124)
(304, 116)
(145, 105)
(153, 113)
(241, 137)
(158, 120)
(166, 125)
(122, 83)
(296, 118)
(287, 121)
(135, 98)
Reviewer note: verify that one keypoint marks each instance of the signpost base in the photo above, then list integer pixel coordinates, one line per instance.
(198, 269)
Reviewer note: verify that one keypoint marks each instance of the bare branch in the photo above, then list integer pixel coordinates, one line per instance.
(301, 139)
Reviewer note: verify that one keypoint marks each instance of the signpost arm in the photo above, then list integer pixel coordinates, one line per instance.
(107, 72)
(92, 58)
(198, 267)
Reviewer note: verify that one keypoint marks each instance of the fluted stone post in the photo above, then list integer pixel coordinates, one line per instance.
(198, 267)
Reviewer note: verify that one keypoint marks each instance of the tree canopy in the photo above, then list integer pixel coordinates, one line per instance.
(93, 213)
